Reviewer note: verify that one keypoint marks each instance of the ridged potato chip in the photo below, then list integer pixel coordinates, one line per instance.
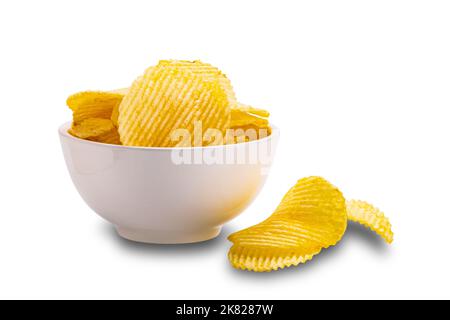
(167, 98)
(249, 123)
(209, 73)
(371, 217)
(93, 104)
(241, 115)
(96, 129)
(312, 216)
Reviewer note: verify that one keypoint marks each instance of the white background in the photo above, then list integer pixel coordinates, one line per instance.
(360, 90)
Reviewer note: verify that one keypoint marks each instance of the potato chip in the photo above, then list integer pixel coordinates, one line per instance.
(241, 114)
(246, 117)
(111, 137)
(115, 116)
(371, 217)
(312, 216)
(255, 111)
(95, 129)
(167, 98)
(93, 104)
(241, 118)
(209, 73)
(115, 112)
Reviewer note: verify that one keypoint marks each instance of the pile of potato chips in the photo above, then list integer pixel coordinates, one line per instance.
(312, 216)
(173, 95)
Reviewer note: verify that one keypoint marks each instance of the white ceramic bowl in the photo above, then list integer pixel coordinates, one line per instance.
(151, 197)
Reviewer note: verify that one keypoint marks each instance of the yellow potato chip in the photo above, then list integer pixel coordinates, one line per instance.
(110, 137)
(115, 111)
(371, 217)
(241, 114)
(208, 72)
(95, 129)
(115, 116)
(255, 111)
(93, 104)
(168, 98)
(312, 216)
(241, 118)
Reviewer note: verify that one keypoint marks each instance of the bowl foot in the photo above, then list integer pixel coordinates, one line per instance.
(168, 237)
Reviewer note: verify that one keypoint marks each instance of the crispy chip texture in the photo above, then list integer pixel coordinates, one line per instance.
(208, 72)
(371, 217)
(93, 104)
(96, 129)
(172, 83)
(312, 216)
(168, 98)
(242, 115)
(115, 111)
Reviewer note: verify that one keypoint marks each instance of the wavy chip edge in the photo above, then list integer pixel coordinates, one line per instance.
(371, 217)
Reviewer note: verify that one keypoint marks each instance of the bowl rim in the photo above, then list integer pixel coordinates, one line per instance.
(64, 132)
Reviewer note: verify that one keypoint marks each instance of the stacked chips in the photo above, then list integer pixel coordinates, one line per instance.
(173, 95)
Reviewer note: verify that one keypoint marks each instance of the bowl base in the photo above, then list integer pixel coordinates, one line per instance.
(168, 237)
